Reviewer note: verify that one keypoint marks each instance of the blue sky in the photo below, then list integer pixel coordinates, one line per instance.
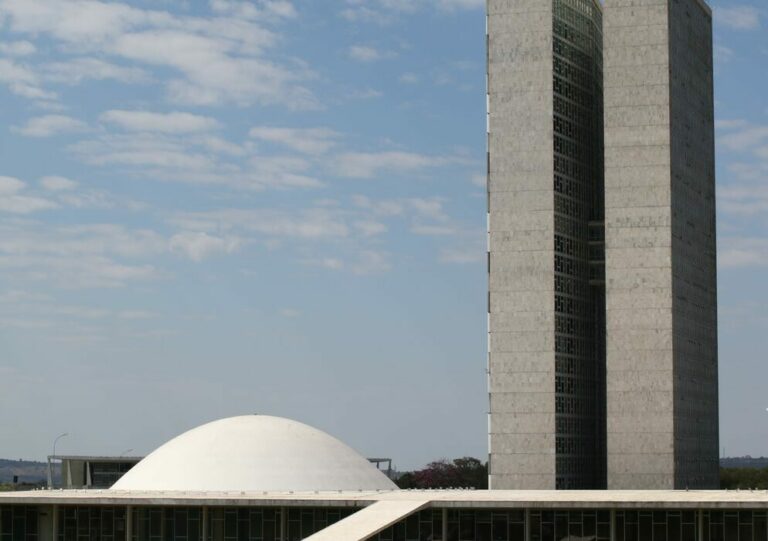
(219, 207)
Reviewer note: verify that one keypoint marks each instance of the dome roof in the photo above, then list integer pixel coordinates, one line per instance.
(254, 453)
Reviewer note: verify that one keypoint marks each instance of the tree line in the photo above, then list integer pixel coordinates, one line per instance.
(468, 472)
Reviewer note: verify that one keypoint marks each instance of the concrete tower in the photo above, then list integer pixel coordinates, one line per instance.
(660, 245)
(602, 280)
(546, 290)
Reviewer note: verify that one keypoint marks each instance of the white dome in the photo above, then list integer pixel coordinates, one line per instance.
(254, 453)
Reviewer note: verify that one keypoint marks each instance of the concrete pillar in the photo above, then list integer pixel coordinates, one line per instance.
(45, 526)
(204, 527)
(217, 531)
(283, 524)
(700, 525)
(613, 524)
(445, 525)
(128, 523)
(55, 522)
(527, 525)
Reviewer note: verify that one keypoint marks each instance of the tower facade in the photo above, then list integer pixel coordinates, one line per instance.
(602, 288)
(546, 286)
(660, 246)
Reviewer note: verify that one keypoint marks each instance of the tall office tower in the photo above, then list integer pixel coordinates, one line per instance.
(545, 198)
(602, 287)
(660, 245)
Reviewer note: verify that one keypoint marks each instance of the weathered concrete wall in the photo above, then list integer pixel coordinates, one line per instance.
(660, 287)
(638, 219)
(521, 243)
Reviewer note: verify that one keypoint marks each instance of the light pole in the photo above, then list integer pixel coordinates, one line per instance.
(50, 458)
(65, 434)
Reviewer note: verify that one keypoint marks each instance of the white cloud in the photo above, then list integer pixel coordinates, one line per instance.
(366, 165)
(290, 313)
(214, 59)
(10, 186)
(201, 159)
(722, 54)
(282, 8)
(22, 81)
(480, 180)
(306, 224)
(77, 21)
(97, 200)
(247, 10)
(364, 53)
(136, 314)
(174, 122)
(743, 138)
(14, 202)
(463, 256)
(17, 48)
(198, 246)
(460, 4)
(417, 207)
(145, 152)
(409, 78)
(433, 230)
(16, 296)
(212, 73)
(50, 125)
(331, 263)
(58, 184)
(367, 94)
(743, 200)
(371, 228)
(304, 140)
(727, 124)
(77, 70)
(383, 11)
(371, 262)
(78, 256)
(222, 146)
(738, 17)
(363, 14)
(236, 8)
(21, 204)
(743, 252)
(277, 172)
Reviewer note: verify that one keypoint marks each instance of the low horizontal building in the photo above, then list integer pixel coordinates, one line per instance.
(89, 471)
(260, 478)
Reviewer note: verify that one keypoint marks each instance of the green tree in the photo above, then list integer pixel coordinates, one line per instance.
(743, 478)
(465, 472)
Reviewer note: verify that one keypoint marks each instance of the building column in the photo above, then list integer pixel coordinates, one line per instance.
(204, 527)
(527, 525)
(613, 524)
(283, 524)
(128, 523)
(445, 525)
(700, 524)
(54, 523)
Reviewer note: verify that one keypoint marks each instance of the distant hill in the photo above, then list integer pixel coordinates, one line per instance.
(28, 471)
